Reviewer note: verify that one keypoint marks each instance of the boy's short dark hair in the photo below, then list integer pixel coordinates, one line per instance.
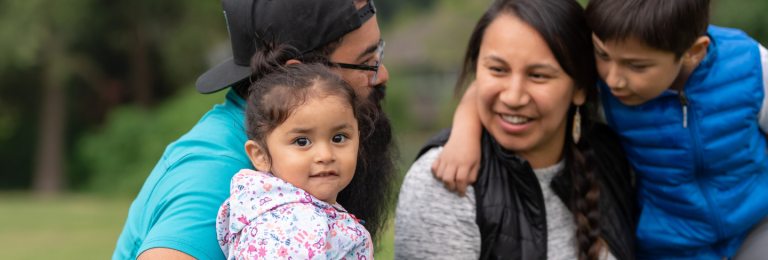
(667, 25)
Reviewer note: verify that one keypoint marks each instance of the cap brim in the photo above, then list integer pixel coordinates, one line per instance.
(222, 76)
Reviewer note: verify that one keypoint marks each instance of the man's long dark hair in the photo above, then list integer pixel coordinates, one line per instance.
(562, 25)
(369, 196)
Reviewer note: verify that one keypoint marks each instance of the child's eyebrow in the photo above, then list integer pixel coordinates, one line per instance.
(597, 45)
(636, 60)
(340, 127)
(300, 131)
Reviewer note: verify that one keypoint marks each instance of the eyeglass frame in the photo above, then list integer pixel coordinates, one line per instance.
(375, 67)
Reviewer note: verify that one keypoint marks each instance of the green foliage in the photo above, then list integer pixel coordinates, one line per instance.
(121, 154)
(746, 15)
(103, 54)
(26, 26)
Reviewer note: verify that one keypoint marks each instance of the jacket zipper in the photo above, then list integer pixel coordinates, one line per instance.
(699, 160)
(684, 103)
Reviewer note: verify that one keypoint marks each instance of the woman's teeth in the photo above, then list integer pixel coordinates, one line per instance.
(516, 120)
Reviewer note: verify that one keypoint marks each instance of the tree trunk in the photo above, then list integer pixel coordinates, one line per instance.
(140, 67)
(49, 175)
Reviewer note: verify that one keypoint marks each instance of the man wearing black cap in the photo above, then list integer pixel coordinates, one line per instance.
(174, 215)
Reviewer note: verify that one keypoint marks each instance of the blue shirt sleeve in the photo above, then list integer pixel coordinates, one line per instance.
(186, 200)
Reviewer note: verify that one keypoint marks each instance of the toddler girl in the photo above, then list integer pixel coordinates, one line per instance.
(303, 125)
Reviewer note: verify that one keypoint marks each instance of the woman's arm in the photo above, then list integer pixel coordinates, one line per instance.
(459, 162)
(432, 222)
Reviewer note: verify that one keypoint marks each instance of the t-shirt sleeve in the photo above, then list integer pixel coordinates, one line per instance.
(762, 117)
(432, 222)
(290, 231)
(188, 197)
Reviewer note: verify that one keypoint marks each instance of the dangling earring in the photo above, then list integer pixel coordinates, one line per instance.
(576, 126)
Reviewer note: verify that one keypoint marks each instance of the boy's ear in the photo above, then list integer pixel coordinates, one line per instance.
(258, 156)
(697, 52)
(579, 97)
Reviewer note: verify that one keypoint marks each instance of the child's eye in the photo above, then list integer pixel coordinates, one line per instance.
(601, 55)
(637, 67)
(302, 141)
(339, 138)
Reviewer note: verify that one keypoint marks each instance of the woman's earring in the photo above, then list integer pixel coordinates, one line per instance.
(576, 126)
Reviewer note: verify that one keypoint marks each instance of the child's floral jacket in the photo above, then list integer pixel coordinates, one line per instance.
(268, 218)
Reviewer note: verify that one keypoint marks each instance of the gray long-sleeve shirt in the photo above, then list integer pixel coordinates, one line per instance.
(434, 223)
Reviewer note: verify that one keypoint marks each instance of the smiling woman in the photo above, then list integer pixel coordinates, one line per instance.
(541, 192)
(522, 89)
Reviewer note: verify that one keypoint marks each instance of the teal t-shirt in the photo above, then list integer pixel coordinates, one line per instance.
(177, 206)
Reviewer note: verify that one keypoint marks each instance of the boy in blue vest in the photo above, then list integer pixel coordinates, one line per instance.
(688, 100)
(689, 103)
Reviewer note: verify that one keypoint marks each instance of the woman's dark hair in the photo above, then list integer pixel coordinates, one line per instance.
(562, 25)
(277, 90)
(667, 25)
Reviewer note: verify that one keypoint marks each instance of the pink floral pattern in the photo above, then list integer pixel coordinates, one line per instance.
(268, 218)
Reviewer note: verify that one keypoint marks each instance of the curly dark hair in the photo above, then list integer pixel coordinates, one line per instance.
(276, 90)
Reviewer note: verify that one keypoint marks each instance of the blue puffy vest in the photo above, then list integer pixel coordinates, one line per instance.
(700, 157)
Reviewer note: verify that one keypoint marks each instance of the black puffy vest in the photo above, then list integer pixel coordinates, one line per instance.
(510, 205)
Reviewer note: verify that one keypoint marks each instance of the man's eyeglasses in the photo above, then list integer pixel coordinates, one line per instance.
(373, 66)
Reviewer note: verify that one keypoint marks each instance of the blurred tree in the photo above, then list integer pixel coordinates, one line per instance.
(66, 64)
(74, 60)
(38, 33)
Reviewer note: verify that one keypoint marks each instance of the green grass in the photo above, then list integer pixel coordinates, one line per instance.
(67, 227)
(76, 227)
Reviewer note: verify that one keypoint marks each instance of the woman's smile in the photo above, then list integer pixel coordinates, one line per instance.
(514, 123)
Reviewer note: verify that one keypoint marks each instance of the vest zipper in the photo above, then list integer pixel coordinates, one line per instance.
(684, 104)
(699, 160)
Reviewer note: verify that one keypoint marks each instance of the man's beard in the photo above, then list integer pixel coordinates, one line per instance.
(377, 95)
(369, 196)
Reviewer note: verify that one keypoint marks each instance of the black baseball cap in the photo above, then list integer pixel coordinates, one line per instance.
(302, 24)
